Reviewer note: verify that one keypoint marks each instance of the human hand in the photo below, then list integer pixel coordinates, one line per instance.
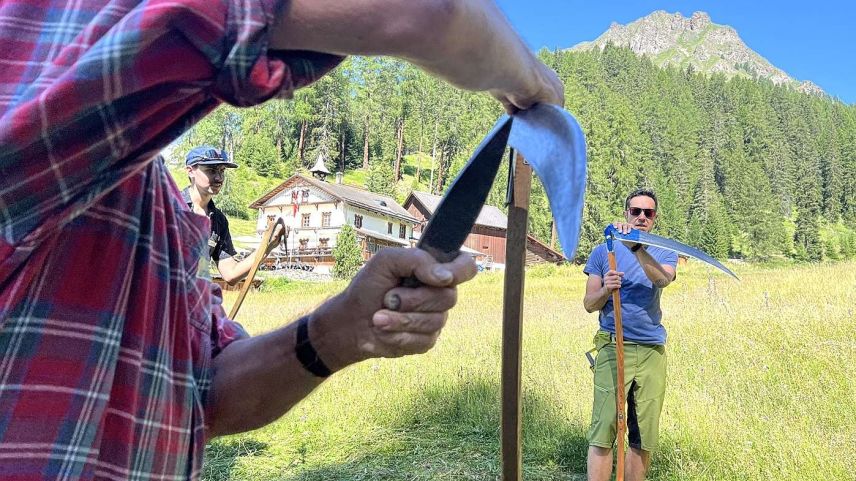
(625, 228)
(377, 317)
(276, 238)
(612, 280)
(538, 84)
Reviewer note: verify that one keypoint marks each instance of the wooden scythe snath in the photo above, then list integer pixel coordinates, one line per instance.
(512, 317)
(620, 415)
(260, 255)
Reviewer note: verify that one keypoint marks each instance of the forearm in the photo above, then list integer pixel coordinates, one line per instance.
(467, 42)
(257, 380)
(232, 270)
(653, 269)
(596, 300)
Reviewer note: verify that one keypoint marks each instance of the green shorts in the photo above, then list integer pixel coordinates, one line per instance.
(644, 387)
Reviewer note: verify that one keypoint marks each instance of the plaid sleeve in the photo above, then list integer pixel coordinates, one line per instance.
(125, 82)
(250, 73)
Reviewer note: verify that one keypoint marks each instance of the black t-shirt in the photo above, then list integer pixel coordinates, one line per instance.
(220, 241)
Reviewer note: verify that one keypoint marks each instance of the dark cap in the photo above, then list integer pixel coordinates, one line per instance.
(207, 155)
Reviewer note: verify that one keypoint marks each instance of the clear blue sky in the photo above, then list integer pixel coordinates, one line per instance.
(809, 40)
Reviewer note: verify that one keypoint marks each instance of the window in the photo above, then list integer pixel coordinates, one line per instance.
(305, 222)
(322, 242)
(358, 221)
(304, 196)
(402, 231)
(325, 219)
(389, 228)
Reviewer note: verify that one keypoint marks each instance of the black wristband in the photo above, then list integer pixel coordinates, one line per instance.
(636, 248)
(306, 353)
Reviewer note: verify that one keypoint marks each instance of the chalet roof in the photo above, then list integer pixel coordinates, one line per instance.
(489, 216)
(377, 235)
(353, 196)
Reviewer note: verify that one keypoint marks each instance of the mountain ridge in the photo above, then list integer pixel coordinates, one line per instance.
(672, 39)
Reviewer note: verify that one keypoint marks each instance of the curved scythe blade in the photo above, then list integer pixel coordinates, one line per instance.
(646, 238)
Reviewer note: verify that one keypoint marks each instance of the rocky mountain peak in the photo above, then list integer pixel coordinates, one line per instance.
(672, 39)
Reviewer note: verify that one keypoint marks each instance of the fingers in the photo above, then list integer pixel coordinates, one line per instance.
(421, 299)
(542, 85)
(399, 334)
(404, 320)
(622, 227)
(414, 322)
(612, 280)
(462, 269)
(397, 344)
(614, 275)
(396, 264)
(276, 238)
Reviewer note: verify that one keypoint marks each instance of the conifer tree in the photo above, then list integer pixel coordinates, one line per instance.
(347, 257)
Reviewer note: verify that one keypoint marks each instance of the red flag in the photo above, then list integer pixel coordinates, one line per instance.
(294, 203)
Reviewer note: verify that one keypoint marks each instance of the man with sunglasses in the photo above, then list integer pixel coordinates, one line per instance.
(118, 361)
(642, 273)
(206, 168)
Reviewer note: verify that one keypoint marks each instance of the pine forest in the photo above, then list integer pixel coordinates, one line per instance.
(742, 168)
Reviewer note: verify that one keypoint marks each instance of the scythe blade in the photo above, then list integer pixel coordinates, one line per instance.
(646, 238)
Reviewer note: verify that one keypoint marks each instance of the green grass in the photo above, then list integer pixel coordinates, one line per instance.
(241, 227)
(411, 165)
(760, 386)
(355, 177)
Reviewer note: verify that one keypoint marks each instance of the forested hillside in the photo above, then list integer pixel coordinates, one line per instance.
(742, 168)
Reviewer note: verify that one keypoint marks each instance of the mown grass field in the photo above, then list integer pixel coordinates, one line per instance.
(762, 386)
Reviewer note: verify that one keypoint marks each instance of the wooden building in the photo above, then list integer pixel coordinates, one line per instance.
(314, 212)
(487, 236)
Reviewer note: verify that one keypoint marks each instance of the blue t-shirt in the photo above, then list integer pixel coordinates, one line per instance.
(640, 298)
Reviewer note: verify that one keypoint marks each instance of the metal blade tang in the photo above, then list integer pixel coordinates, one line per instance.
(456, 214)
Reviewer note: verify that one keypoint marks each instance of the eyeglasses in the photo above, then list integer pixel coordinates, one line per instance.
(649, 213)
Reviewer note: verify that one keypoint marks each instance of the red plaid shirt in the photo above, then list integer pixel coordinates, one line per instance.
(106, 333)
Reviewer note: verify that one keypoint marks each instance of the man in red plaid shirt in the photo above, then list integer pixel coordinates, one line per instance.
(116, 360)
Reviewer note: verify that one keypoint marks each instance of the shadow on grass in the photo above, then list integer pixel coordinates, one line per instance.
(452, 432)
(220, 456)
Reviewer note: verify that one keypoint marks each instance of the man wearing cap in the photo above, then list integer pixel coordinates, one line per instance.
(642, 274)
(206, 168)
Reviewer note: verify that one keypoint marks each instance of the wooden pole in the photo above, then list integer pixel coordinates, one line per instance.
(260, 256)
(619, 383)
(512, 316)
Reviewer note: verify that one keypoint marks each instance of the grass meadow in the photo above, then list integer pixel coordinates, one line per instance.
(762, 386)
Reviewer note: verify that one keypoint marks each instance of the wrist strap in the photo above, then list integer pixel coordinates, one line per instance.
(306, 353)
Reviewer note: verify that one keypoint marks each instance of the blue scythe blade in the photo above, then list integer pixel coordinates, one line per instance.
(553, 143)
(641, 237)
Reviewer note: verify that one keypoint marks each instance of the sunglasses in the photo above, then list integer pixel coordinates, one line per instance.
(636, 211)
